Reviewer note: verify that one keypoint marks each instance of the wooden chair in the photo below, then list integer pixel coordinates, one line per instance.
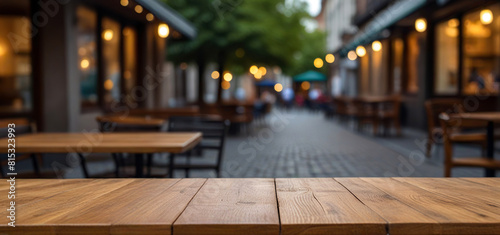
(433, 108)
(389, 112)
(127, 124)
(450, 137)
(214, 133)
(24, 126)
(364, 113)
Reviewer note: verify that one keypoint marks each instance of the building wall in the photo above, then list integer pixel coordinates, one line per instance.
(339, 14)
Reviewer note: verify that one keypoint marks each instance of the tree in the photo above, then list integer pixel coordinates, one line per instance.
(267, 32)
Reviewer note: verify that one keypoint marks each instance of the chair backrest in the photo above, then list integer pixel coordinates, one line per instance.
(214, 131)
(434, 107)
(22, 126)
(391, 105)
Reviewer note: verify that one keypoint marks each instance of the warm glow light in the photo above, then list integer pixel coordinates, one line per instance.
(124, 3)
(278, 87)
(138, 9)
(352, 55)
(486, 16)
(107, 34)
(84, 64)
(228, 77)
(225, 85)
(163, 30)
(329, 58)
(215, 74)
(240, 52)
(377, 46)
(318, 63)
(262, 71)
(108, 85)
(421, 25)
(305, 85)
(127, 75)
(258, 76)
(360, 51)
(2, 50)
(150, 17)
(453, 23)
(254, 69)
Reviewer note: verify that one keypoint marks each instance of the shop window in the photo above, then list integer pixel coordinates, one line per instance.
(413, 62)
(87, 54)
(15, 61)
(111, 61)
(446, 74)
(130, 63)
(481, 51)
(397, 64)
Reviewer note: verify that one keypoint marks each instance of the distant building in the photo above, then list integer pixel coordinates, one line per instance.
(65, 62)
(423, 49)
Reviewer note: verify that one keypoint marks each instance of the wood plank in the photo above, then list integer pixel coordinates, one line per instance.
(454, 216)
(105, 142)
(323, 206)
(486, 198)
(401, 218)
(491, 182)
(32, 217)
(158, 213)
(231, 206)
(131, 120)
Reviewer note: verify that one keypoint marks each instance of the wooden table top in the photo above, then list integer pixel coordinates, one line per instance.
(132, 120)
(256, 206)
(479, 116)
(150, 142)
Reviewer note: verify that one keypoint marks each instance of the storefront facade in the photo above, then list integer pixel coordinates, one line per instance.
(65, 62)
(424, 49)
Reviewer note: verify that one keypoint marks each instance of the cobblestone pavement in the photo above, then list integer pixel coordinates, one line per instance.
(305, 144)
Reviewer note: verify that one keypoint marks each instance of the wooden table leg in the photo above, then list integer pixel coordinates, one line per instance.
(490, 147)
(139, 165)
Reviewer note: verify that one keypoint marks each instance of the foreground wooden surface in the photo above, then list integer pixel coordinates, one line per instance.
(256, 206)
(104, 142)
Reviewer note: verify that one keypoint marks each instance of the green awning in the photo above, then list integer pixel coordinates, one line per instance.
(169, 16)
(392, 14)
(310, 76)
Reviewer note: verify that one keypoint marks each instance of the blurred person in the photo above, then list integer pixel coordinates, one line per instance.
(287, 95)
(268, 97)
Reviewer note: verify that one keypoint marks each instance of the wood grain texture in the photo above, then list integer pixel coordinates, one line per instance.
(401, 218)
(105, 142)
(131, 206)
(323, 206)
(454, 216)
(231, 206)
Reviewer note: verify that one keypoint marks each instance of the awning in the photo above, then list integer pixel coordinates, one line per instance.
(169, 16)
(310, 76)
(392, 14)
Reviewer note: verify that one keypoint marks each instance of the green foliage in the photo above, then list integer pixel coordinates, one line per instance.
(269, 32)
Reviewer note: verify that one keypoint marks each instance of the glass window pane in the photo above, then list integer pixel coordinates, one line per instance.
(130, 54)
(413, 58)
(111, 60)
(15, 63)
(86, 42)
(481, 62)
(446, 77)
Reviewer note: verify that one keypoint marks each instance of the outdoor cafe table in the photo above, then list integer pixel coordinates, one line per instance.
(255, 206)
(491, 118)
(96, 142)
